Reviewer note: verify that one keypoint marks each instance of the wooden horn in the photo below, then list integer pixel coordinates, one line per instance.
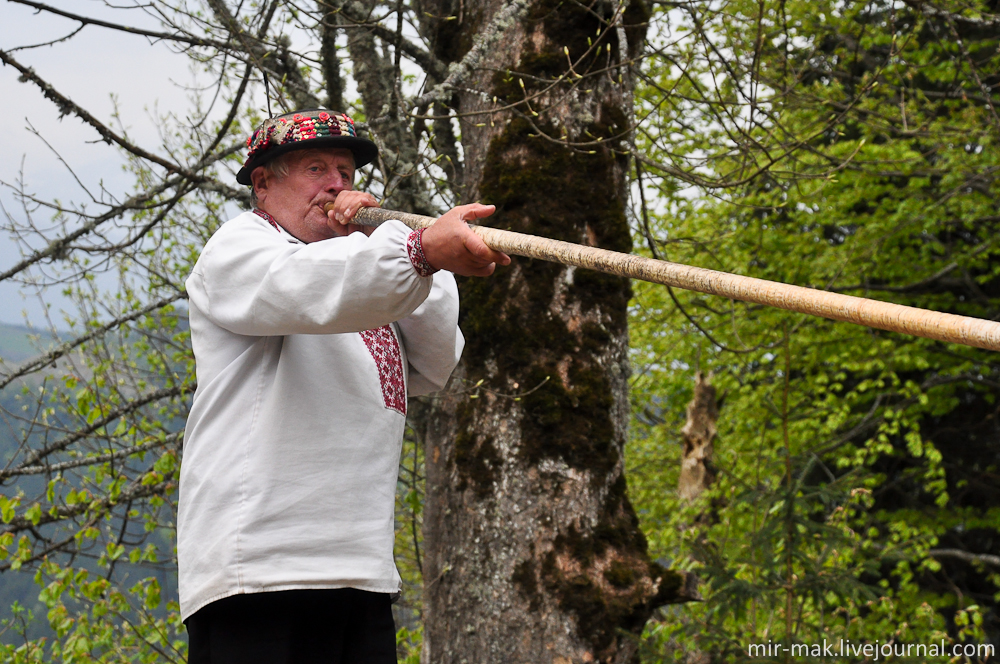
(862, 311)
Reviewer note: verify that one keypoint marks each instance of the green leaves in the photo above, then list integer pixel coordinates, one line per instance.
(34, 514)
(7, 507)
(841, 153)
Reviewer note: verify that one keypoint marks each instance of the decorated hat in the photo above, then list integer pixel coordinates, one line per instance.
(301, 130)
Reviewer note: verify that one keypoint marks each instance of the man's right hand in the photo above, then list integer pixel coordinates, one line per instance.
(346, 205)
(449, 243)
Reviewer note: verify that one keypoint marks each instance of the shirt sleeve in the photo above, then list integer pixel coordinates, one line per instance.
(431, 337)
(251, 281)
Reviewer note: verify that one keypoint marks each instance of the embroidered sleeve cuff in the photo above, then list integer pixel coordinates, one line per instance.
(415, 250)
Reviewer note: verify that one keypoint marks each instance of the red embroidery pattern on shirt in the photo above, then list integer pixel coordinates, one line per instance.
(384, 348)
(415, 249)
(268, 218)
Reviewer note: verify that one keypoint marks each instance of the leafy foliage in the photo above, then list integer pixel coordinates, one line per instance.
(851, 149)
(847, 145)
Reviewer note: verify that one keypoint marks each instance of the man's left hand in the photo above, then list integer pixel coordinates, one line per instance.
(449, 243)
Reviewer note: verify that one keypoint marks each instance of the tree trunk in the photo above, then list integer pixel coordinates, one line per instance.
(533, 551)
(329, 60)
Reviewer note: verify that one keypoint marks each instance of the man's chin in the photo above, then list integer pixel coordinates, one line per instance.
(328, 228)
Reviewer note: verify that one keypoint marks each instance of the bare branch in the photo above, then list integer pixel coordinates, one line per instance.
(351, 18)
(63, 349)
(58, 248)
(982, 558)
(129, 407)
(165, 36)
(67, 107)
(485, 41)
(100, 458)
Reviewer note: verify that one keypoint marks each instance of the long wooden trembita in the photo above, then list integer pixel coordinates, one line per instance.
(871, 313)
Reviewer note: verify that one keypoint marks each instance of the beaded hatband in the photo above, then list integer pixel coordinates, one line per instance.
(304, 129)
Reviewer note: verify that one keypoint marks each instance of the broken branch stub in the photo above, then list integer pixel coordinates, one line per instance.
(697, 472)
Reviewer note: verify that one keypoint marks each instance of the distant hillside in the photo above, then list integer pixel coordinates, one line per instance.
(16, 343)
(16, 346)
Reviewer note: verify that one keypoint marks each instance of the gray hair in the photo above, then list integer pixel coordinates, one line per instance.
(278, 168)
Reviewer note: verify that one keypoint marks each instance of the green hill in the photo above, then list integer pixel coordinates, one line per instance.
(18, 343)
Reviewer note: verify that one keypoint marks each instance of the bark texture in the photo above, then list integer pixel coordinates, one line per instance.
(329, 60)
(533, 551)
(375, 73)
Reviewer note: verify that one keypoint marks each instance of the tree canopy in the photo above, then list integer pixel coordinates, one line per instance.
(849, 489)
(848, 147)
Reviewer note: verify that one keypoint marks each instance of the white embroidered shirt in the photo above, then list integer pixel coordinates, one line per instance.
(305, 354)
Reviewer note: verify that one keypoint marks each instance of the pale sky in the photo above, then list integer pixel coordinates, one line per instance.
(88, 69)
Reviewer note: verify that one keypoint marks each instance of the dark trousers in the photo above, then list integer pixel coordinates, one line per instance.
(341, 626)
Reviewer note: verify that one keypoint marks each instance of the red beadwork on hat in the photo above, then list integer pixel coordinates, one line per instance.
(304, 127)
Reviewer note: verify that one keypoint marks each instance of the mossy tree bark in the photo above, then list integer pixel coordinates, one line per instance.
(533, 551)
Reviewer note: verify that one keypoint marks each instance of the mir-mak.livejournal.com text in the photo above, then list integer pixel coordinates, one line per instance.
(873, 651)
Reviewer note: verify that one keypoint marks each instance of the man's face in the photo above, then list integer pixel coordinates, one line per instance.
(315, 177)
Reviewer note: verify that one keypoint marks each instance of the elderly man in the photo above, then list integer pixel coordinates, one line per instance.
(308, 336)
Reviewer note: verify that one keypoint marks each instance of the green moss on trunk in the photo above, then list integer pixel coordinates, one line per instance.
(557, 336)
(553, 191)
(618, 545)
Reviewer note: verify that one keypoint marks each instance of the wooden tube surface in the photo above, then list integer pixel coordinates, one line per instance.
(863, 311)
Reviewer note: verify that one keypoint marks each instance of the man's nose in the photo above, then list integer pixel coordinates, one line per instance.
(336, 183)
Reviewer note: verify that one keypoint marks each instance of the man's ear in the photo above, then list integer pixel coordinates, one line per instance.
(259, 180)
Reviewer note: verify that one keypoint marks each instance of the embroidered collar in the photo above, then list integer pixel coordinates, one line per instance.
(414, 245)
(268, 218)
(274, 223)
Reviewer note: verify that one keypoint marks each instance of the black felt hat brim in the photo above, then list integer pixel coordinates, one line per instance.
(365, 152)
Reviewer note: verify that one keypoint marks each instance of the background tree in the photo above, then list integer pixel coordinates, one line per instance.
(848, 146)
(526, 508)
(453, 94)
